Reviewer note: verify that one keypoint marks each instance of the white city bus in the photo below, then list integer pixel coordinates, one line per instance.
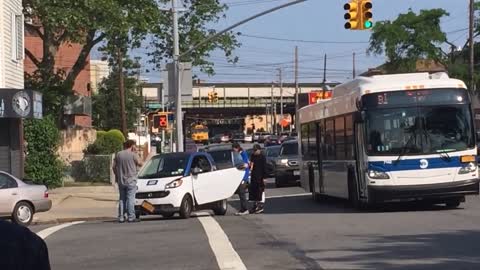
(391, 138)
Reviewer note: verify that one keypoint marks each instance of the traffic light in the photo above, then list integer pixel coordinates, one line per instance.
(163, 121)
(367, 15)
(210, 97)
(215, 97)
(352, 15)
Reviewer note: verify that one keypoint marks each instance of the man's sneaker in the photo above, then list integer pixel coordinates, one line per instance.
(259, 210)
(242, 213)
(134, 220)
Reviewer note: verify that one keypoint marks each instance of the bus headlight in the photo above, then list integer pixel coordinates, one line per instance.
(469, 168)
(377, 175)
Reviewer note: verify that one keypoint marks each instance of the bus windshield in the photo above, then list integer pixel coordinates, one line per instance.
(419, 130)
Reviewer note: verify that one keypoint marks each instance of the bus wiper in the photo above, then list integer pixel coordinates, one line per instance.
(405, 148)
(444, 155)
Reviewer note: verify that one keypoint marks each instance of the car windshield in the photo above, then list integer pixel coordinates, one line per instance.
(273, 151)
(164, 166)
(289, 149)
(222, 158)
(419, 130)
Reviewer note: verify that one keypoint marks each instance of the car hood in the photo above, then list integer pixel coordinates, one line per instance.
(155, 184)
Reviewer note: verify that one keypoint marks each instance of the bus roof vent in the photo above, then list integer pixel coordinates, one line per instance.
(403, 76)
(439, 76)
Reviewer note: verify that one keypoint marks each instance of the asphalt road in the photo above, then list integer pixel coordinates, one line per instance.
(293, 233)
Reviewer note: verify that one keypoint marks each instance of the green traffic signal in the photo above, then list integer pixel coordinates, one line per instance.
(368, 24)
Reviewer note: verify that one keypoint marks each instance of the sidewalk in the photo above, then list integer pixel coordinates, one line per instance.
(80, 203)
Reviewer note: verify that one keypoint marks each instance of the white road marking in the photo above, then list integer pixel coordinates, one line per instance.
(227, 257)
(281, 196)
(48, 231)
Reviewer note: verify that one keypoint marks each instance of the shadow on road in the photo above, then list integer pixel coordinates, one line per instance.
(449, 250)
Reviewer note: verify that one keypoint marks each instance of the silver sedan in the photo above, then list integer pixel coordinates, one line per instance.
(20, 201)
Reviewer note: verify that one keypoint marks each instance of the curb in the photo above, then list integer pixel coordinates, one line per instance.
(67, 220)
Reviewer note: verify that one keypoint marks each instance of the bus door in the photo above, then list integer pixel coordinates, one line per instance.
(361, 158)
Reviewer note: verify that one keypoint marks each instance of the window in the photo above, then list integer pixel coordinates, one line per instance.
(329, 140)
(312, 141)
(340, 138)
(164, 166)
(7, 182)
(202, 163)
(304, 137)
(17, 37)
(223, 159)
(321, 144)
(349, 136)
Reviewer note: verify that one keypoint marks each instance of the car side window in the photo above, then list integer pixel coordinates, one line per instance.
(202, 163)
(7, 182)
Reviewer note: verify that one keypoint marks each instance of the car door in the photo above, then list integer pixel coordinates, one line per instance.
(211, 185)
(8, 194)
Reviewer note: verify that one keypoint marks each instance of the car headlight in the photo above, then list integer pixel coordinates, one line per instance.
(377, 175)
(469, 168)
(282, 161)
(174, 184)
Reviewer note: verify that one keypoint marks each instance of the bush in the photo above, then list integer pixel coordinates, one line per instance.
(115, 133)
(101, 133)
(93, 168)
(42, 164)
(109, 143)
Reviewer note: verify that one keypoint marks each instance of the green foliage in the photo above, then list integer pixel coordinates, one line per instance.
(93, 168)
(106, 103)
(196, 23)
(101, 133)
(105, 145)
(409, 38)
(42, 164)
(117, 134)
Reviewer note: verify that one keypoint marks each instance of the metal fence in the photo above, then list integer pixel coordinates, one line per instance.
(92, 168)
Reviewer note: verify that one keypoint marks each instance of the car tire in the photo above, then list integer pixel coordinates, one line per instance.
(168, 215)
(186, 207)
(453, 203)
(23, 214)
(220, 208)
(279, 182)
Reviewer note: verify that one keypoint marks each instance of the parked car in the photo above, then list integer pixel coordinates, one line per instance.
(222, 156)
(184, 182)
(226, 138)
(262, 137)
(216, 139)
(248, 138)
(238, 137)
(271, 154)
(20, 200)
(272, 140)
(287, 169)
(289, 138)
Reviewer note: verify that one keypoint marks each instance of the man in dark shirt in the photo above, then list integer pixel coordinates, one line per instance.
(20, 249)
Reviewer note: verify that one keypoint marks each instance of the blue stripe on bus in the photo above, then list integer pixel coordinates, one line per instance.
(414, 164)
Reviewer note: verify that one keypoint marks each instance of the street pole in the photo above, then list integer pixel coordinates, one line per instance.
(324, 76)
(281, 97)
(121, 90)
(296, 89)
(353, 73)
(176, 75)
(272, 115)
(471, 70)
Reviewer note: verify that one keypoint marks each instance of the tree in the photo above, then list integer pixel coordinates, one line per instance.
(106, 107)
(409, 38)
(108, 23)
(195, 25)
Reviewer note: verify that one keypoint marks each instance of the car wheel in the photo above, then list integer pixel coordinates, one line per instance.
(279, 182)
(23, 214)
(453, 203)
(220, 208)
(168, 215)
(186, 207)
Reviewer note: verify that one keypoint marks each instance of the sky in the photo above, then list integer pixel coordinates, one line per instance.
(317, 28)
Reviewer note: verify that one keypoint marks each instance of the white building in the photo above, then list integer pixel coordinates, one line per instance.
(11, 44)
(99, 70)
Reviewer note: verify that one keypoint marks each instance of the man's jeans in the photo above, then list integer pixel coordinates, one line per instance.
(242, 194)
(127, 201)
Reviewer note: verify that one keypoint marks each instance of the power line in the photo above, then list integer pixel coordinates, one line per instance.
(304, 41)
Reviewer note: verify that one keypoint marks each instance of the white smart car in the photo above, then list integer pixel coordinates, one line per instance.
(184, 182)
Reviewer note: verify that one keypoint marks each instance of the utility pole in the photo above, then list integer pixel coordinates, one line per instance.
(176, 75)
(353, 73)
(471, 70)
(280, 77)
(272, 113)
(324, 76)
(296, 88)
(121, 92)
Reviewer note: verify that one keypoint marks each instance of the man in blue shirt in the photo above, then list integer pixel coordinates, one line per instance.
(241, 191)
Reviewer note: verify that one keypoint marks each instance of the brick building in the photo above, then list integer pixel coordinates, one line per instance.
(65, 59)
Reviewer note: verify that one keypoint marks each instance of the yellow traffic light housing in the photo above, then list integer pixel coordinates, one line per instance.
(352, 15)
(367, 15)
(215, 97)
(210, 97)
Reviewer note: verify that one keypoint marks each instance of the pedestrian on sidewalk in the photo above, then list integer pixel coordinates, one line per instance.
(242, 189)
(256, 191)
(21, 249)
(125, 167)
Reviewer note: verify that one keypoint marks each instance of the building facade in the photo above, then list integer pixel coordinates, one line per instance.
(99, 70)
(16, 103)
